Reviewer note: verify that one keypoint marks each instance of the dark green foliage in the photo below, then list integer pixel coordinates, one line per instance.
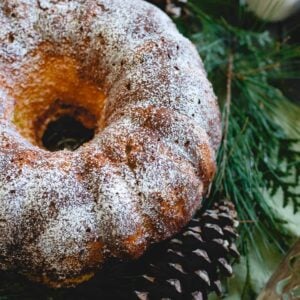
(256, 157)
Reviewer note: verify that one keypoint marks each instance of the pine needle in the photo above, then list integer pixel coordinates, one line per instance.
(257, 156)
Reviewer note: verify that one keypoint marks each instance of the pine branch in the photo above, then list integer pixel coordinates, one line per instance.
(256, 155)
(227, 105)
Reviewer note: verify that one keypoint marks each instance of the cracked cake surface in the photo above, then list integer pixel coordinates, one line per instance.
(152, 158)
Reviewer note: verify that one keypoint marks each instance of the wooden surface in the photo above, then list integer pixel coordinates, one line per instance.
(285, 282)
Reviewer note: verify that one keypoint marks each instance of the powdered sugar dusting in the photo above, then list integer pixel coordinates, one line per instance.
(142, 176)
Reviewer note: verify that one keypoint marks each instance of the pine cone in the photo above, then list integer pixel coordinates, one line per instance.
(171, 7)
(188, 266)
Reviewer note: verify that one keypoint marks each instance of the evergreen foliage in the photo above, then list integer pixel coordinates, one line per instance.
(257, 156)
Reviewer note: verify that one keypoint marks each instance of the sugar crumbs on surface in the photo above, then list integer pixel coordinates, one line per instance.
(141, 172)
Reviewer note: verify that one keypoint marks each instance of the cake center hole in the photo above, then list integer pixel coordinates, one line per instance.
(66, 133)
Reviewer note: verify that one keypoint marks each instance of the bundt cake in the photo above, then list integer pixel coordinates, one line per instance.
(121, 69)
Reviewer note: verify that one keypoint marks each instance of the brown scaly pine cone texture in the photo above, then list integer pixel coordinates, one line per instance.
(192, 263)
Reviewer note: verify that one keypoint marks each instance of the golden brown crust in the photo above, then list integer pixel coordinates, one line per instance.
(122, 68)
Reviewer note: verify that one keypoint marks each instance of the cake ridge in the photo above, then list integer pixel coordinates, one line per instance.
(151, 161)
